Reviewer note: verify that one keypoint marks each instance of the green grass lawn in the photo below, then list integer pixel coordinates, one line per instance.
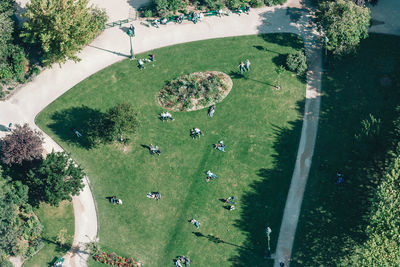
(53, 219)
(331, 219)
(259, 125)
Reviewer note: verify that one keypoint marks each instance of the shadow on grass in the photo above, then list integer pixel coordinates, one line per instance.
(85, 120)
(245, 76)
(332, 221)
(216, 240)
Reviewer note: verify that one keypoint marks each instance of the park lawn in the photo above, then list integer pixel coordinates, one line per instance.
(259, 125)
(331, 219)
(53, 219)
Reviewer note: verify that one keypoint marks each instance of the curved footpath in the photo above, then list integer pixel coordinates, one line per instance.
(113, 45)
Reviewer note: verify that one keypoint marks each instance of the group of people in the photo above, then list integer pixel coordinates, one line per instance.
(154, 150)
(141, 62)
(154, 195)
(210, 176)
(115, 200)
(195, 132)
(220, 146)
(182, 259)
(231, 201)
(244, 66)
(164, 116)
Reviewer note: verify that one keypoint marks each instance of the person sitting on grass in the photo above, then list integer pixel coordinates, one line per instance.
(166, 116)
(178, 262)
(210, 176)
(211, 111)
(140, 64)
(231, 207)
(155, 150)
(231, 200)
(195, 222)
(115, 200)
(220, 146)
(78, 134)
(155, 195)
(195, 132)
(340, 177)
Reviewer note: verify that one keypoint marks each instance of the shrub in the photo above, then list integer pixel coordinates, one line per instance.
(148, 13)
(256, 3)
(194, 90)
(6, 73)
(232, 4)
(6, 263)
(274, 2)
(297, 62)
(213, 4)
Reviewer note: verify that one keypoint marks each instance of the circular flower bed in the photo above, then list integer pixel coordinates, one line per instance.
(195, 91)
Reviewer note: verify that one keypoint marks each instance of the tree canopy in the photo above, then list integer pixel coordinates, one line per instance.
(61, 27)
(57, 178)
(344, 23)
(23, 144)
(121, 119)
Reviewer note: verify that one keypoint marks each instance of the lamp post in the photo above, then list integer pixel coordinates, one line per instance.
(131, 33)
(326, 40)
(268, 232)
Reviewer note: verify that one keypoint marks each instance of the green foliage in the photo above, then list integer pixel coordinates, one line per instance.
(6, 73)
(56, 179)
(383, 231)
(256, 3)
(20, 229)
(121, 119)
(6, 263)
(344, 24)
(297, 62)
(232, 4)
(212, 4)
(12, 57)
(148, 13)
(204, 88)
(60, 41)
(274, 2)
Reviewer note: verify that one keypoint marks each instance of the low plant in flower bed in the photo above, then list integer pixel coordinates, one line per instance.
(115, 260)
(195, 91)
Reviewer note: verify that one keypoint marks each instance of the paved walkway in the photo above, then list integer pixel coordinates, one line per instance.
(113, 45)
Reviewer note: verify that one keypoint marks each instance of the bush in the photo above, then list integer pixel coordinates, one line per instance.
(232, 4)
(6, 263)
(256, 3)
(297, 62)
(212, 4)
(148, 13)
(274, 2)
(6, 73)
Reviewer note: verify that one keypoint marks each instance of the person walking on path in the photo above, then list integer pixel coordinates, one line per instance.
(10, 126)
(247, 62)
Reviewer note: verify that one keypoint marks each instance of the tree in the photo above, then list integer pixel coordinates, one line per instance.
(297, 62)
(61, 27)
(279, 70)
(122, 118)
(23, 144)
(62, 237)
(56, 179)
(344, 23)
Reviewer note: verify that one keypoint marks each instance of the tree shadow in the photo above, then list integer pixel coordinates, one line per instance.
(3, 128)
(87, 121)
(262, 205)
(332, 222)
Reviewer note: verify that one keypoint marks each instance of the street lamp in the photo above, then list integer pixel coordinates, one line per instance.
(268, 232)
(326, 40)
(131, 33)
